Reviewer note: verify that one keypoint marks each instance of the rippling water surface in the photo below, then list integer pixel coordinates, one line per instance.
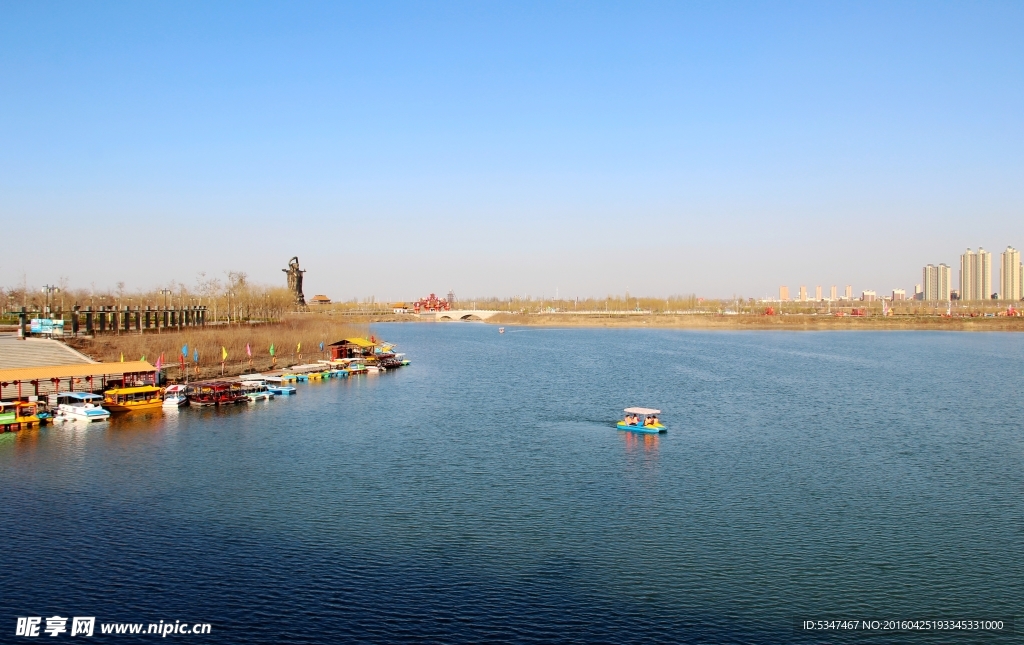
(483, 494)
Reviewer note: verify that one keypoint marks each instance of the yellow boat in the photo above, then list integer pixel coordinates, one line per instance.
(126, 399)
(16, 415)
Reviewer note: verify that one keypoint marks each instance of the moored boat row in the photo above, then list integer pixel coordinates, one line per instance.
(369, 358)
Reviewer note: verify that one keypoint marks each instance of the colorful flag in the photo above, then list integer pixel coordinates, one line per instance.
(271, 349)
(122, 357)
(195, 355)
(159, 362)
(184, 350)
(299, 348)
(248, 350)
(143, 357)
(321, 346)
(223, 353)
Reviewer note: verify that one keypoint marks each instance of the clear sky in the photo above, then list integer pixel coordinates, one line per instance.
(509, 148)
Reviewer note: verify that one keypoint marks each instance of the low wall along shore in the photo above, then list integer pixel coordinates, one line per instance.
(749, 321)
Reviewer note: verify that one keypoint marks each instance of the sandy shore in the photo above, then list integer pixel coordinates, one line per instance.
(783, 322)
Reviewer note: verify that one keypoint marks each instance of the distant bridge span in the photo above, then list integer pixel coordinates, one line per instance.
(466, 314)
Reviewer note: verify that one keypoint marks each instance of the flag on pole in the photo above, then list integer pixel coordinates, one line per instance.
(195, 355)
(143, 357)
(184, 350)
(248, 350)
(299, 348)
(223, 353)
(122, 357)
(321, 346)
(159, 362)
(271, 349)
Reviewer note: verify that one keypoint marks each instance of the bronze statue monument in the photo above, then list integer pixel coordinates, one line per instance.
(295, 281)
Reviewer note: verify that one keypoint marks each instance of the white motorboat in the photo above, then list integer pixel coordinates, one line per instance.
(175, 396)
(256, 390)
(80, 406)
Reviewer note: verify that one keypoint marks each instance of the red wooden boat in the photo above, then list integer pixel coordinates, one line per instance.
(216, 393)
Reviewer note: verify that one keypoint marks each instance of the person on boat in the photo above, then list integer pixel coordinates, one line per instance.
(653, 420)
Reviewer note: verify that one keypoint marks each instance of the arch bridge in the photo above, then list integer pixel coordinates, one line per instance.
(466, 314)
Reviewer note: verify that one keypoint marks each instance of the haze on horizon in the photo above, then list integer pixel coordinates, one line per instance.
(503, 149)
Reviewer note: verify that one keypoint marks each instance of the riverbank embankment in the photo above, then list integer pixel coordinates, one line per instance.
(296, 339)
(793, 322)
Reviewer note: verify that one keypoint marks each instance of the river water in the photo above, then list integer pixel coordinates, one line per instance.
(484, 494)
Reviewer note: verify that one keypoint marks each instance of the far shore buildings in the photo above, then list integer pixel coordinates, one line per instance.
(802, 294)
(1011, 275)
(976, 275)
(936, 283)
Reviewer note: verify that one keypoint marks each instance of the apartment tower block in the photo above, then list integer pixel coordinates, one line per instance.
(976, 275)
(937, 282)
(1010, 274)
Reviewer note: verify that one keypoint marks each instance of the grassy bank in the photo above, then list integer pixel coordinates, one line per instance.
(286, 336)
(786, 322)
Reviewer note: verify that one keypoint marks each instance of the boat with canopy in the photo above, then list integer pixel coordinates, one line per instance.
(175, 396)
(17, 415)
(641, 420)
(80, 406)
(128, 399)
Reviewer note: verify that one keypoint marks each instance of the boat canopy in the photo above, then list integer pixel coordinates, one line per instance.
(358, 342)
(174, 389)
(641, 411)
(133, 390)
(81, 396)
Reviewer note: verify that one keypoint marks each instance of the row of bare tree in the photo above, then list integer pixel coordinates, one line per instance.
(232, 299)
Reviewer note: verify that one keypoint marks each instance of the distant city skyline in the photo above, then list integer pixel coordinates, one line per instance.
(975, 281)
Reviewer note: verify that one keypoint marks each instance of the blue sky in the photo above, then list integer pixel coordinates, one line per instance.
(501, 149)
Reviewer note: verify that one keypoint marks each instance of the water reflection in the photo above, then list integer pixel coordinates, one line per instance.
(136, 418)
(640, 442)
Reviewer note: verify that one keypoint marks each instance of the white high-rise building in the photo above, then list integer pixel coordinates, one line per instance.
(937, 282)
(817, 293)
(976, 275)
(1009, 274)
(832, 294)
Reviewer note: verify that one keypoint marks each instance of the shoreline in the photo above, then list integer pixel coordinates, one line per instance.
(787, 322)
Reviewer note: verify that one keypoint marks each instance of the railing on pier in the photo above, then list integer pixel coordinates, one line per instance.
(104, 320)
